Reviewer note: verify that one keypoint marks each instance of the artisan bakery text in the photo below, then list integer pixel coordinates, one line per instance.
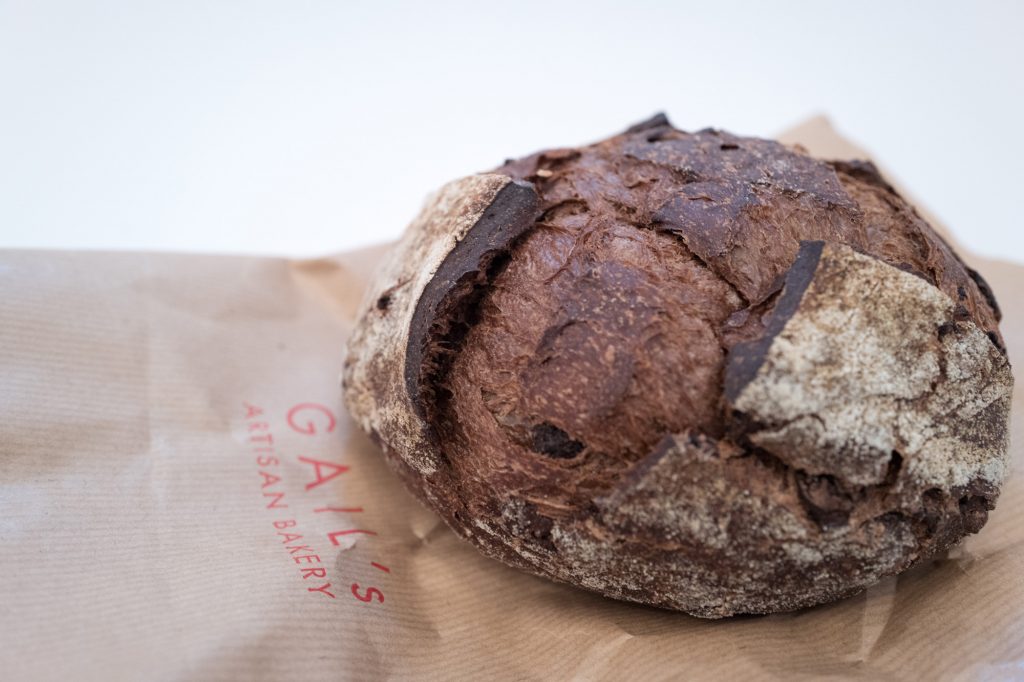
(286, 510)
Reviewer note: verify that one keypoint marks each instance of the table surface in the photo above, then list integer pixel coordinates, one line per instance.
(276, 128)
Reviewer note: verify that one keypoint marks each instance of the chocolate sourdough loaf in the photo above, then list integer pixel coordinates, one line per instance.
(694, 370)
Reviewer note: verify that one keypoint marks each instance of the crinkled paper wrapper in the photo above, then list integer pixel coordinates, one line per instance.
(182, 497)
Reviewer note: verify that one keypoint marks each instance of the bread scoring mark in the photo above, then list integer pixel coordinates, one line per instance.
(375, 387)
(446, 308)
(745, 359)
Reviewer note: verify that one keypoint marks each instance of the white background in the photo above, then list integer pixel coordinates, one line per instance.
(303, 128)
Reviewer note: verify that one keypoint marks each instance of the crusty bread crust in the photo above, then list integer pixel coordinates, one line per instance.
(698, 371)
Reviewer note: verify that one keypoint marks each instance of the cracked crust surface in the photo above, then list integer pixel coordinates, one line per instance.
(699, 371)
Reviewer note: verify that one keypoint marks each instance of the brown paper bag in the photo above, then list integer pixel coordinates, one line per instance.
(183, 497)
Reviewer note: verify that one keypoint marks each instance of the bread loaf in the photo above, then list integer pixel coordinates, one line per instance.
(694, 370)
